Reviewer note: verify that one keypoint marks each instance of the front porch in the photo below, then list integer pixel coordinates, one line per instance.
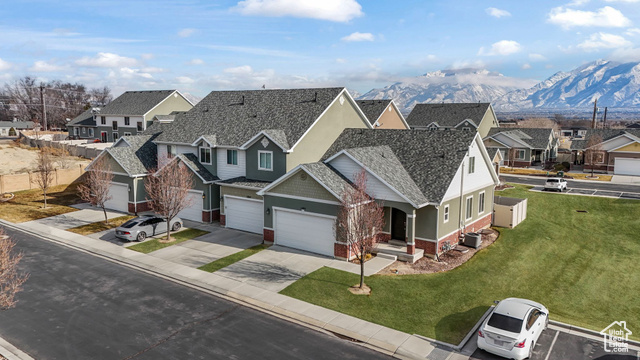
(398, 250)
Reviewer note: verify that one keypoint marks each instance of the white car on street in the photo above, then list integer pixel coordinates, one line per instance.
(513, 328)
(558, 184)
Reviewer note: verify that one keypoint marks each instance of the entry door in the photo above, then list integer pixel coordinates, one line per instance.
(398, 224)
(104, 136)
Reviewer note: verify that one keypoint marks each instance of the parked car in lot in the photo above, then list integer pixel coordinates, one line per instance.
(513, 328)
(558, 184)
(146, 225)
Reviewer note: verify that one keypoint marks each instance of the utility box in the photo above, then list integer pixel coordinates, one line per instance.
(472, 239)
(508, 212)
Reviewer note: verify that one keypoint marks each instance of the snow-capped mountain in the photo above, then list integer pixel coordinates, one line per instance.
(448, 86)
(613, 84)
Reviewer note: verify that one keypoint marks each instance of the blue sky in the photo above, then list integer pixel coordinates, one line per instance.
(200, 46)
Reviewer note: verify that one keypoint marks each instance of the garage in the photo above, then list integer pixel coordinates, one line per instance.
(244, 214)
(627, 166)
(119, 197)
(194, 211)
(305, 231)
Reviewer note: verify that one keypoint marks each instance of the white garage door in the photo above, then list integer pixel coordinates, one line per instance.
(119, 197)
(305, 231)
(244, 214)
(627, 167)
(194, 211)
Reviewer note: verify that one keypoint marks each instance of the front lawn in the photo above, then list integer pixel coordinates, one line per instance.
(156, 244)
(228, 260)
(27, 204)
(583, 266)
(100, 225)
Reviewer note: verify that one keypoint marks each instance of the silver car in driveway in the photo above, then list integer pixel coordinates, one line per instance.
(140, 228)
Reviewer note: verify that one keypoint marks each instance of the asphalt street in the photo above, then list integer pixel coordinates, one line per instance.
(595, 185)
(78, 306)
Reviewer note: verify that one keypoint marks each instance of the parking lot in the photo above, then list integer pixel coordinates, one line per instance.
(603, 193)
(555, 344)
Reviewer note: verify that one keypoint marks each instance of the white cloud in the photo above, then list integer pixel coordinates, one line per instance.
(184, 80)
(604, 17)
(358, 36)
(526, 66)
(498, 13)
(129, 73)
(239, 70)
(186, 32)
(626, 55)
(331, 10)
(4, 65)
(502, 47)
(43, 66)
(196, 62)
(578, 2)
(107, 60)
(599, 41)
(537, 57)
(151, 69)
(148, 56)
(341, 61)
(252, 50)
(633, 32)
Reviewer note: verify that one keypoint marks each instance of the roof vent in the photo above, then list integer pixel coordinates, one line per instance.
(315, 98)
(206, 108)
(242, 100)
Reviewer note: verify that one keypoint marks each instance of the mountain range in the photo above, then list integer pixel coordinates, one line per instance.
(613, 84)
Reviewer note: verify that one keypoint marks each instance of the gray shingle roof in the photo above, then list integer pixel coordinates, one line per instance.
(430, 158)
(373, 108)
(17, 124)
(446, 115)
(605, 134)
(328, 176)
(243, 181)
(84, 119)
(192, 161)
(135, 102)
(536, 138)
(139, 157)
(235, 117)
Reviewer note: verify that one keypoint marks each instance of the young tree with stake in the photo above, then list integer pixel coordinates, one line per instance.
(167, 191)
(360, 220)
(45, 171)
(97, 183)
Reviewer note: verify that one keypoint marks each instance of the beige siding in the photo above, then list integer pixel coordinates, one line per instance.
(633, 147)
(298, 185)
(326, 130)
(245, 193)
(172, 103)
(492, 143)
(488, 121)
(390, 119)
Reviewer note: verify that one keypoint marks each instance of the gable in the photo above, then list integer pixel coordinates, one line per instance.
(616, 143)
(633, 147)
(303, 185)
(492, 143)
(481, 177)
(391, 119)
(509, 141)
(488, 121)
(111, 162)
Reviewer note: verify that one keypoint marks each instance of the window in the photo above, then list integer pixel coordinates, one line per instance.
(433, 127)
(140, 126)
(75, 131)
(598, 157)
(265, 160)
(126, 133)
(521, 154)
(103, 120)
(90, 132)
(205, 155)
(446, 213)
(466, 128)
(232, 157)
(84, 130)
(104, 136)
(115, 136)
(114, 125)
(533, 317)
(469, 207)
(171, 151)
(481, 203)
(472, 164)
(126, 121)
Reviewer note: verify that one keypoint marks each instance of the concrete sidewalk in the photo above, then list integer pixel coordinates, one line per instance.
(386, 340)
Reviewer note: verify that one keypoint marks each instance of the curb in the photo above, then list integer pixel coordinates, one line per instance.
(585, 330)
(11, 352)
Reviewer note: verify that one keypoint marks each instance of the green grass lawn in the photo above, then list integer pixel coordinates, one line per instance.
(154, 244)
(228, 260)
(100, 225)
(27, 204)
(583, 266)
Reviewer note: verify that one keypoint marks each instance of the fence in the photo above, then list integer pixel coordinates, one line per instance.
(80, 150)
(26, 181)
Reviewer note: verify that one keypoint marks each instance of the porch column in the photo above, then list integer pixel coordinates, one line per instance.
(411, 232)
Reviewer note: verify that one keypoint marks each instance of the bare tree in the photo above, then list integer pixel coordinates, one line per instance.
(96, 185)
(511, 156)
(10, 280)
(593, 153)
(45, 171)
(167, 191)
(101, 96)
(360, 220)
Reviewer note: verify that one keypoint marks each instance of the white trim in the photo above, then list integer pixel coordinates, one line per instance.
(404, 121)
(106, 151)
(126, 133)
(170, 143)
(472, 161)
(163, 100)
(466, 208)
(301, 198)
(195, 143)
(270, 168)
(481, 195)
(469, 121)
(210, 154)
(446, 214)
(410, 216)
(496, 140)
(619, 147)
(353, 104)
(375, 123)
(505, 133)
(224, 197)
(179, 156)
(254, 139)
(278, 208)
(220, 183)
(524, 153)
(115, 136)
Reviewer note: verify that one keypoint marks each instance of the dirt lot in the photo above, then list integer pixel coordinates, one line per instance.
(15, 159)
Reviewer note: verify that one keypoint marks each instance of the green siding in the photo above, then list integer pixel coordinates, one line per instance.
(454, 211)
(279, 161)
(233, 191)
(324, 133)
(293, 204)
(124, 180)
(303, 185)
(426, 219)
(214, 159)
(113, 164)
